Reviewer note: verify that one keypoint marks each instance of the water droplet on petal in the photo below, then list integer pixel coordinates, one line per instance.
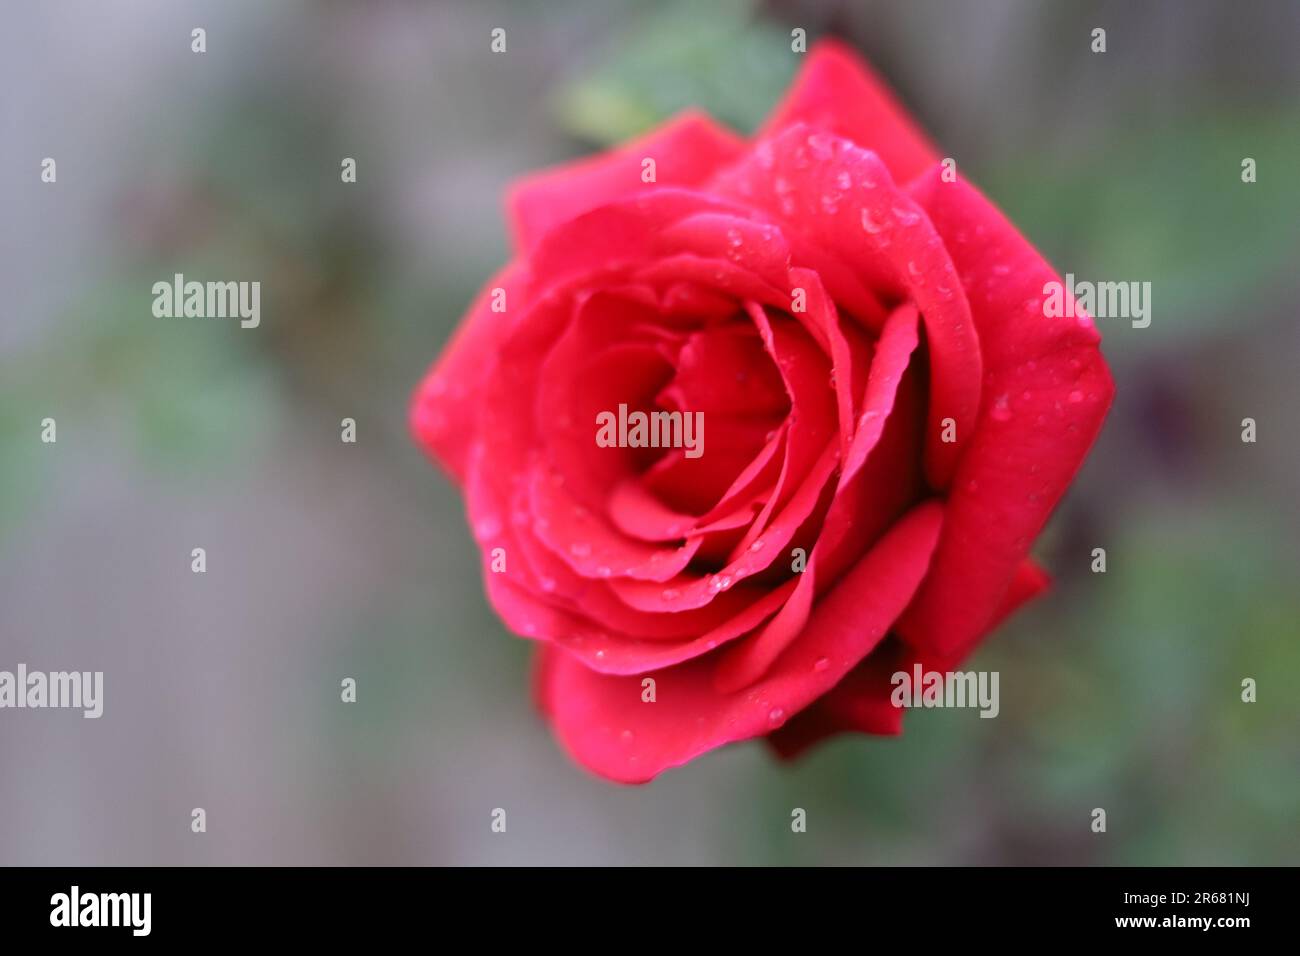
(821, 663)
(905, 216)
(869, 224)
(775, 716)
(822, 145)
(1001, 410)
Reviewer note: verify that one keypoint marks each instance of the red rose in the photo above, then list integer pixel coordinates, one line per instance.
(882, 392)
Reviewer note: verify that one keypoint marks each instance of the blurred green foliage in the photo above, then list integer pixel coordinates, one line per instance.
(729, 62)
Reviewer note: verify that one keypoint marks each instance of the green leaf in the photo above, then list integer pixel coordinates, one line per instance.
(730, 64)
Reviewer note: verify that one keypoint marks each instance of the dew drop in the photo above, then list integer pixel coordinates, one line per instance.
(1076, 396)
(775, 716)
(905, 216)
(822, 146)
(871, 225)
(821, 663)
(580, 549)
(488, 527)
(1001, 410)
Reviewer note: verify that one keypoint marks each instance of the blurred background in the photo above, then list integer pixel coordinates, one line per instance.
(328, 560)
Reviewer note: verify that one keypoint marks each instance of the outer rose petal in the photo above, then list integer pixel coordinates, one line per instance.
(602, 721)
(1028, 582)
(1046, 392)
(687, 150)
(443, 410)
(838, 92)
(861, 701)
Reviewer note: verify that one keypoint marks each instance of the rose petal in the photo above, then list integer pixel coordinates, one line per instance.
(691, 591)
(839, 92)
(602, 721)
(687, 150)
(618, 654)
(1046, 393)
(851, 511)
(885, 234)
(850, 353)
(805, 370)
(861, 702)
(444, 408)
(589, 544)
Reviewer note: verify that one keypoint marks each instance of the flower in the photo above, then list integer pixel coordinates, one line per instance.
(890, 420)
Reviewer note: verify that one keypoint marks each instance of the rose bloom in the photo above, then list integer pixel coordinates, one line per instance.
(890, 420)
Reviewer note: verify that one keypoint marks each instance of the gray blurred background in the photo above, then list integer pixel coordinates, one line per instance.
(328, 560)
